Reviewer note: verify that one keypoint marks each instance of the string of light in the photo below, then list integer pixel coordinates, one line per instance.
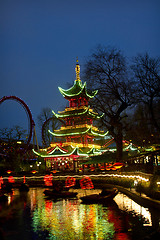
(140, 178)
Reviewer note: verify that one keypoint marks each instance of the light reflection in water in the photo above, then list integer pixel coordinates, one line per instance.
(69, 219)
(72, 220)
(127, 204)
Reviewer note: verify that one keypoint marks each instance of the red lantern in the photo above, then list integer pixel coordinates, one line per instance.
(11, 179)
(48, 180)
(24, 179)
(86, 183)
(1, 181)
(92, 169)
(70, 182)
(118, 165)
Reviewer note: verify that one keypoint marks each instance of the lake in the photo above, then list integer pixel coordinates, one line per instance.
(33, 216)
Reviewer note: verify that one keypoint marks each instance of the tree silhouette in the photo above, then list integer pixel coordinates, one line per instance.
(147, 75)
(106, 71)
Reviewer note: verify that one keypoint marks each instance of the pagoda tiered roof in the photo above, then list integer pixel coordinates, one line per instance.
(76, 111)
(78, 87)
(77, 133)
(78, 130)
(76, 90)
(58, 151)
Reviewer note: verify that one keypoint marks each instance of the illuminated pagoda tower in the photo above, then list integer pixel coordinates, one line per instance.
(77, 134)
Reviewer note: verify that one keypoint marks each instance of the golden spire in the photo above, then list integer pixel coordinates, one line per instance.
(77, 69)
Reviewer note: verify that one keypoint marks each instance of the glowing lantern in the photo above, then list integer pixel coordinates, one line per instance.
(86, 183)
(92, 169)
(109, 166)
(118, 165)
(9, 171)
(24, 179)
(113, 168)
(102, 168)
(70, 182)
(48, 180)
(11, 179)
(1, 181)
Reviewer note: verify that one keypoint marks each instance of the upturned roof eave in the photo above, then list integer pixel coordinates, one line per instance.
(85, 112)
(88, 131)
(73, 92)
(75, 152)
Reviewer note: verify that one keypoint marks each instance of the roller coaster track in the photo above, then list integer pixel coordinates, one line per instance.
(28, 112)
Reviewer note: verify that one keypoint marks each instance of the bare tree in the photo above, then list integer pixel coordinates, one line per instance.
(19, 132)
(138, 129)
(106, 71)
(6, 134)
(13, 134)
(147, 75)
(45, 114)
(47, 121)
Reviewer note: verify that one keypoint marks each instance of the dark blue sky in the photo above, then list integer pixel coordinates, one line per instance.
(40, 40)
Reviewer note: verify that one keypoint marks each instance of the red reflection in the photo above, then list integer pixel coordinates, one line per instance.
(122, 236)
(121, 225)
(48, 206)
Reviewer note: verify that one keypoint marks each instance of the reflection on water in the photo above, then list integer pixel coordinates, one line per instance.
(127, 204)
(70, 220)
(32, 216)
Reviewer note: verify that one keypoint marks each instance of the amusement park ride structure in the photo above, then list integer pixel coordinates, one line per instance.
(31, 129)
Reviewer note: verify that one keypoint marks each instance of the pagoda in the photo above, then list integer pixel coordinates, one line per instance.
(77, 134)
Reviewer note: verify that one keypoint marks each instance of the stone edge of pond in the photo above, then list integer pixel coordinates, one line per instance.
(142, 199)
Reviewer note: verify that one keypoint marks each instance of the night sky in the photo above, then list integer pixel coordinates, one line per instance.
(40, 40)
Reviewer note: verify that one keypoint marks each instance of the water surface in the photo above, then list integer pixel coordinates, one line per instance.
(33, 216)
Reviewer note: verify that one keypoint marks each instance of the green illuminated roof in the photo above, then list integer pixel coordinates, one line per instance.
(59, 153)
(77, 112)
(78, 131)
(76, 90)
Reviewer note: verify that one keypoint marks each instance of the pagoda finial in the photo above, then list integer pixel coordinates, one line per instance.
(77, 69)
